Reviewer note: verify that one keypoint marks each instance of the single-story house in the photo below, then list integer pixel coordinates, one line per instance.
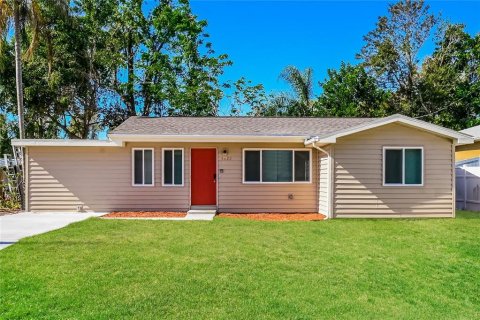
(469, 151)
(341, 167)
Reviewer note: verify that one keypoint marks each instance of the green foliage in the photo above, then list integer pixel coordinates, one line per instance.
(351, 92)
(107, 60)
(163, 62)
(9, 200)
(110, 59)
(5, 146)
(298, 102)
(391, 50)
(443, 89)
(246, 95)
(450, 80)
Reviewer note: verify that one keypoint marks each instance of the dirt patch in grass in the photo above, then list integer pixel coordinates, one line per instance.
(270, 216)
(145, 214)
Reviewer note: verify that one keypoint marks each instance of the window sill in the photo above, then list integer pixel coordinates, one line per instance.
(402, 185)
(256, 183)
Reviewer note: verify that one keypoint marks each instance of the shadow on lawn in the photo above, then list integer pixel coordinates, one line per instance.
(461, 214)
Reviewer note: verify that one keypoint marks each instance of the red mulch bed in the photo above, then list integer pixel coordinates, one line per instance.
(145, 214)
(270, 216)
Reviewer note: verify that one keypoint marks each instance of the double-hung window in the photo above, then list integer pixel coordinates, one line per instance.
(403, 166)
(172, 166)
(276, 166)
(142, 171)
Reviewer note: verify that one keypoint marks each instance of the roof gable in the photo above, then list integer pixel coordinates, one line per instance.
(460, 138)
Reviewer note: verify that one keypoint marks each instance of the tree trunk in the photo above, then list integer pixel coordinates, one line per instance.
(131, 78)
(18, 67)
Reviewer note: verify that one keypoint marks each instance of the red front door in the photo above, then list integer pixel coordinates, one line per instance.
(204, 177)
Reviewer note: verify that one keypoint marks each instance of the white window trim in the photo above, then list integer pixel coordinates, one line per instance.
(293, 166)
(143, 167)
(403, 184)
(173, 167)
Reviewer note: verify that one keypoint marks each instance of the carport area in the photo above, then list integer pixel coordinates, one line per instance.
(25, 224)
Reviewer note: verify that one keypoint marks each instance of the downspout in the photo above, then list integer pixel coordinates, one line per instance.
(330, 213)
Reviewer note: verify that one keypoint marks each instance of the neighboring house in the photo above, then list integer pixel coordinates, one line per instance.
(472, 162)
(341, 167)
(469, 151)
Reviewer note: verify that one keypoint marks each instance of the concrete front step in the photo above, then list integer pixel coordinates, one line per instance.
(202, 214)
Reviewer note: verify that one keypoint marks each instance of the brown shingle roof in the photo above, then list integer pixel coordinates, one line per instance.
(236, 126)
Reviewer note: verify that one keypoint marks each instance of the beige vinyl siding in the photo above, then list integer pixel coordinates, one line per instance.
(358, 175)
(324, 184)
(100, 179)
(234, 196)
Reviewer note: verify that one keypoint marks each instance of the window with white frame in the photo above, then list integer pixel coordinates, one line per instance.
(276, 165)
(172, 167)
(142, 171)
(403, 166)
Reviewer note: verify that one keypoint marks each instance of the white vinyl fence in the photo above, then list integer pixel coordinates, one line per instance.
(468, 188)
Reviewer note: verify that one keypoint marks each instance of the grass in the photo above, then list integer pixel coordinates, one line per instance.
(239, 269)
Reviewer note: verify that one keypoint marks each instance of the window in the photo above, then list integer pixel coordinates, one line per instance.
(142, 160)
(172, 167)
(403, 166)
(276, 166)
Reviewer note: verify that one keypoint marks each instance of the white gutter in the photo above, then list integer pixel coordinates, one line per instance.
(326, 140)
(64, 143)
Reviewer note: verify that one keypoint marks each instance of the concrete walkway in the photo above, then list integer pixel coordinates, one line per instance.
(17, 226)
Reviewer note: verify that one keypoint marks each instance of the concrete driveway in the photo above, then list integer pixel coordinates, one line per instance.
(17, 226)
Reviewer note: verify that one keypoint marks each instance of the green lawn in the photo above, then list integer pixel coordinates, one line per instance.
(110, 269)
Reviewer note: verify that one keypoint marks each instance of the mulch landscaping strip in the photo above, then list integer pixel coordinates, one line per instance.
(266, 216)
(145, 214)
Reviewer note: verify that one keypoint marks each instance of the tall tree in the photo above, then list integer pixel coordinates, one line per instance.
(27, 18)
(351, 92)
(302, 87)
(297, 102)
(450, 80)
(246, 95)
(163, 63)
(61, 79)
(391, 50)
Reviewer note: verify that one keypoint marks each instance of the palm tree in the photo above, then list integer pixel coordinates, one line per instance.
(23, 13)
(302, 85)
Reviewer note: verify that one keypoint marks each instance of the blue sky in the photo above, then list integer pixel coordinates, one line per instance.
(262, 37)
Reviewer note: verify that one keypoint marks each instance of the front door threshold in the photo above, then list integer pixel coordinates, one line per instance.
(203, 207)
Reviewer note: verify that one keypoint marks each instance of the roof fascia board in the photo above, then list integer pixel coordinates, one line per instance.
(64, 143)
(460, 138)
(203, 138)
